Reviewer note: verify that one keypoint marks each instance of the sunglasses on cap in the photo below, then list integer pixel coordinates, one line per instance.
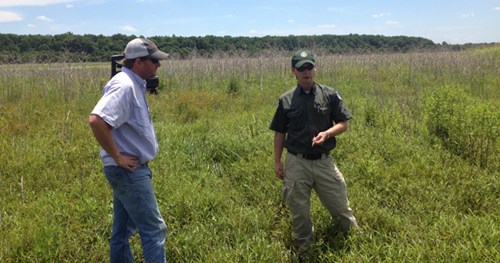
(305, 66)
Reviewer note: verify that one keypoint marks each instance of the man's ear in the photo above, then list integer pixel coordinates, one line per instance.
(138, 63)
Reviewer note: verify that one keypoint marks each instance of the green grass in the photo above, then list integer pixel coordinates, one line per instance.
(420, 159)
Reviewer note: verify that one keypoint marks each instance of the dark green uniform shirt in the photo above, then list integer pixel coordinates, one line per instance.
(302, 116)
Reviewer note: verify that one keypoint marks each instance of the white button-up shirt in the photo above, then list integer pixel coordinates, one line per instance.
(124, 107)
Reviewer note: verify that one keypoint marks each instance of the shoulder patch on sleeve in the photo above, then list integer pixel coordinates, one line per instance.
(338, 95)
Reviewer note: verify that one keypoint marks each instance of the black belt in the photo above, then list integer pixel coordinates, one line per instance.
(308, 156)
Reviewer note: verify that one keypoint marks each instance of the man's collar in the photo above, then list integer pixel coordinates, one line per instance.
(312, 90)
(136, 78)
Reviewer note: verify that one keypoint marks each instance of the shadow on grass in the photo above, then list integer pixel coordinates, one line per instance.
(329, 244)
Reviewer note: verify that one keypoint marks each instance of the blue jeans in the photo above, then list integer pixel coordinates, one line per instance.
(135, 207)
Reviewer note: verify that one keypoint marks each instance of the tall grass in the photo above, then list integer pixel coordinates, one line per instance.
(421, 160)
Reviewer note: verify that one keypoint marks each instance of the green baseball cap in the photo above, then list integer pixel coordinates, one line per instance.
(302, 57)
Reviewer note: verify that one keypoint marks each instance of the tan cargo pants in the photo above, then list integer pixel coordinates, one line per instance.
(302, 175)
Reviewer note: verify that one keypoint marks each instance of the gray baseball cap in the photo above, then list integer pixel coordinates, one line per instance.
(141, 47)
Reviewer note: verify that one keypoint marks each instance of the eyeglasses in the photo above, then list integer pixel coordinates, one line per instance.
(306, 66)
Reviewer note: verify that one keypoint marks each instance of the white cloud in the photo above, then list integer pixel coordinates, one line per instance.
(291, 21)
(468, 15)
(69, 6)
(253, 31)
(30, 25)
(11, 3)
(327, 26)
(391, 22)
(497, 8)
(44, 18)
(379, 15)
(128, 28)
(230, 16)
(9, 17)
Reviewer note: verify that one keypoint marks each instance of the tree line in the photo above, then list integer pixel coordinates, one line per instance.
(69, 47)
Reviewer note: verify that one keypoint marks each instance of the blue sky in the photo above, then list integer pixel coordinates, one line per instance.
(453, 21)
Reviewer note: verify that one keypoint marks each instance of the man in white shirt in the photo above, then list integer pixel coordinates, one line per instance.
(122, 125)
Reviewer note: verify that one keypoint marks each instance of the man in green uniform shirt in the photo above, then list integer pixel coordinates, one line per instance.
(306, 121)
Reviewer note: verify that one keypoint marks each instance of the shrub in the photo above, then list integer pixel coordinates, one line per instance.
(464, 126)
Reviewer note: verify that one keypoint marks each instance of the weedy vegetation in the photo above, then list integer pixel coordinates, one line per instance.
(421, 160)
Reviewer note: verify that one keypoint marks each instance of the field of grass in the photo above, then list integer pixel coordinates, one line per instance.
(421, 160)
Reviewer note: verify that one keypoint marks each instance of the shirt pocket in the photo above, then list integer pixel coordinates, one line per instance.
(296, 119)
(140, 119)
(323, 115)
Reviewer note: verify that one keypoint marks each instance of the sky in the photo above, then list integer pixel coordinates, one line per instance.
(451, 21)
